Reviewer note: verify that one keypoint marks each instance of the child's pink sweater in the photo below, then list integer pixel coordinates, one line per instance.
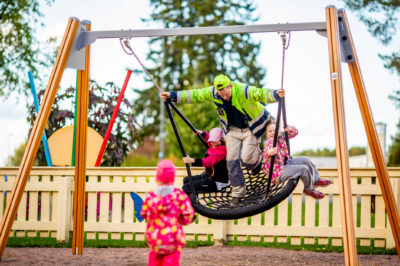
(282, 152)
(165, 216)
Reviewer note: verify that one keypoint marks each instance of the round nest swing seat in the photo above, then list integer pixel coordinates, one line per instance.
(217, 205)
(261, 194)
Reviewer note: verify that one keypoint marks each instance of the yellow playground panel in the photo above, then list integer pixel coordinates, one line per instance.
(60, 146)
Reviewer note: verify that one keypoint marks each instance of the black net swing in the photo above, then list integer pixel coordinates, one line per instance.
(262, 194)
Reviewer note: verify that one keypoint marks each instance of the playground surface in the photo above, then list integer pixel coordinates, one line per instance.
(211, 255)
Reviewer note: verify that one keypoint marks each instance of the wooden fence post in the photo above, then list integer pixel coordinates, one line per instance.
(342, 156)
(219, 232)
(64, 208)
(35, 136)
(389, 234)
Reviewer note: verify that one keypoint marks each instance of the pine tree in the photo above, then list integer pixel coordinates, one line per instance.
(394, 149)
(382, 20)
(188, 62)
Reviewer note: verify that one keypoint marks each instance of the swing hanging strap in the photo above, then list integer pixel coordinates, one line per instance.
(271, 167)
(126, 47)
(128, 50)
(285, 36)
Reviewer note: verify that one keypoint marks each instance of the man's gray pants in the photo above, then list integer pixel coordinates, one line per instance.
(301, 167)
(242, 147)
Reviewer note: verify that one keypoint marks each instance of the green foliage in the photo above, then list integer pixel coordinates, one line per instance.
(326, 152)
(382, 20)
(203, 117)
(195, 61)
(394, 149)
(354, 151)
(136, 160)
(102, 100)
(20, 51)
(381, 17)
(16, 158)
(395, 97)
(140, 160)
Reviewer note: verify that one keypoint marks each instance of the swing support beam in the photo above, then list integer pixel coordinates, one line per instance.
(341, 49)
(87, 38)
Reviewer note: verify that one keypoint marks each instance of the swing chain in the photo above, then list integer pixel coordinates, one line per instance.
(126, 47)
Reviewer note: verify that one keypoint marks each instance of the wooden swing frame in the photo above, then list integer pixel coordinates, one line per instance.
(74, 52)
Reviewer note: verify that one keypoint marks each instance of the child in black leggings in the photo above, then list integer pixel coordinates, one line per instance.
(215, 177)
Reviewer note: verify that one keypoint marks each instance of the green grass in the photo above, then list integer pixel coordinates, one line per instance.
(42, 242)
(109, 243)
(290, 207)
(97, 243)
(92, 243)
(22, 242)
(314, 247)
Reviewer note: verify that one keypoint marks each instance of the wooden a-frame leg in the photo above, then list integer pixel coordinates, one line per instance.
(37, 132)
(81, 154)
(373, 140)
(349, 239)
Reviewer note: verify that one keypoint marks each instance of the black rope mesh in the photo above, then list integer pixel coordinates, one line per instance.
(256, 186)
(260, 195)
(217, 205)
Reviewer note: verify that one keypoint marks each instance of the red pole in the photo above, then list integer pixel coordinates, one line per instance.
(114, 115)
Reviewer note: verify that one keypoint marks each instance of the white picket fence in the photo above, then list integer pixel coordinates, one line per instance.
(46, 209)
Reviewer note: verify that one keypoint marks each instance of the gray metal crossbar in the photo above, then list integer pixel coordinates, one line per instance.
(90, 37)
(84, 38)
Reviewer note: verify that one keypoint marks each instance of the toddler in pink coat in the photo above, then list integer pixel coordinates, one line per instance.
(165, 210)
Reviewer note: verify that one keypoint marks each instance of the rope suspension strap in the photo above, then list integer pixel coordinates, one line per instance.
(276, 133)
(128, 50)
(261, 196)
(126, 47)
(184, 154)
(285, 36)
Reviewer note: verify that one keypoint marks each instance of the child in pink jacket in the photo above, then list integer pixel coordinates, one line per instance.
(165, 210)
(215, 177)
(285, 167)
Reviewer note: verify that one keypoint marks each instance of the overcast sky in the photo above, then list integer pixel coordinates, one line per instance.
(309, 102)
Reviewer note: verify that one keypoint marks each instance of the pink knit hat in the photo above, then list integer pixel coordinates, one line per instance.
(215, 134)
(165, 172)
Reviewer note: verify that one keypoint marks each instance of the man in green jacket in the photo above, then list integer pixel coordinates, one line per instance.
(242, 117)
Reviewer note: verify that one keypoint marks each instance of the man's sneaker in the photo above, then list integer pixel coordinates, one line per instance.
(257, 169)
(235, 201)
(314, 193)
(322, 182)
